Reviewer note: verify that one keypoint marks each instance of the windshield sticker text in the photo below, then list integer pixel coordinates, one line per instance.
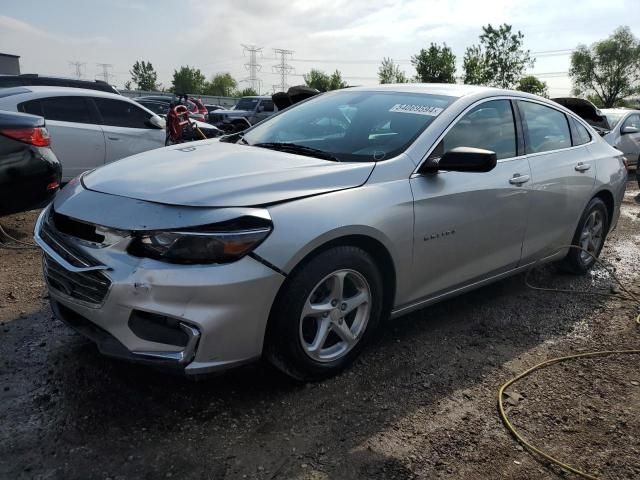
(417, 109)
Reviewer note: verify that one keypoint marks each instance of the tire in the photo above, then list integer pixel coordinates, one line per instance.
(294, 342)
(576, 261)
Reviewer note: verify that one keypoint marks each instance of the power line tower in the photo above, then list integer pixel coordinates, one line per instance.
(78, 66)
(283, 68)
(253, 66)
(105, 71)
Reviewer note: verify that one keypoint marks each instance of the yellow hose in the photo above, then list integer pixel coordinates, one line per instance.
(629, 296)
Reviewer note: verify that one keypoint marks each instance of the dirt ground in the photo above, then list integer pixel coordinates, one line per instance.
(420, 403)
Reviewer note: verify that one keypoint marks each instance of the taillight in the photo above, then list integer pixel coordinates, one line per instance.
(53, 184)
(38, 136)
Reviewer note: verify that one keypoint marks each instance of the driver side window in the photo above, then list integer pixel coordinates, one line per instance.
(489, 126)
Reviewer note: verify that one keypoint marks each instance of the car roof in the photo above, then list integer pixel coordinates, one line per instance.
(448, 89)
(60, 91)
(619, 110)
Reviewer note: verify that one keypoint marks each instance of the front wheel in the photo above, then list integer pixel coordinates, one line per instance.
(325, 313)
(589, 236)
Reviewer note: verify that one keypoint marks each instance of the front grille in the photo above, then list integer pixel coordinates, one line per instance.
(215, 118)
(72, 255)
(89, 287)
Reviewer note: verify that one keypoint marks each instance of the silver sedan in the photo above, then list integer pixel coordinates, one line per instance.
(294, 240)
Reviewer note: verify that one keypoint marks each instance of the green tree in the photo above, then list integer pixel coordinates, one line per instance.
(246, 92)
(221, 84)
(609, 69)
(532, 84)
(437, 64)
(389, 72)
(127, 85)
(188, 80)
(144, 75)
(499, 60)
(321, 81)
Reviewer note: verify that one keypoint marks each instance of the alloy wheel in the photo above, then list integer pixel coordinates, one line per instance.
(592, 236)
(335, 315)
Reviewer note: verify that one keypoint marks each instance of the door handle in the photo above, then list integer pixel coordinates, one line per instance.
(582, 167)
(518, 179)
(113, 138)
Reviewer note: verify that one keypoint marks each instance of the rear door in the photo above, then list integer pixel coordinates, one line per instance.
(562, 173)
(126, 127)
(470, 226)
(76, 138)
(629, 143)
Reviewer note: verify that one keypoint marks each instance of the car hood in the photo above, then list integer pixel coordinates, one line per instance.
(215, 174)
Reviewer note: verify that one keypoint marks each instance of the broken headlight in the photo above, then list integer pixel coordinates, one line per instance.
(201, 245)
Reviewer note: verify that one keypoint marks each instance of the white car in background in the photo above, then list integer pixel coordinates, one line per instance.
(625, 132)
(88, 128)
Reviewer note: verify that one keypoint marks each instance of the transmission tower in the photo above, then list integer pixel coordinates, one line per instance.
(283, 68)
(253, 66)
(105, 71)
(78, 66)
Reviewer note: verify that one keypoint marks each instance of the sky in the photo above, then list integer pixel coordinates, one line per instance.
(350, 35)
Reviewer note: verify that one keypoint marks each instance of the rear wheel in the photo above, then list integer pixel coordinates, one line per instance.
(589, 236)
(325, 313)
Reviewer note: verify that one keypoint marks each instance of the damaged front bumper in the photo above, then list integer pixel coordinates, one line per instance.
(193, 318)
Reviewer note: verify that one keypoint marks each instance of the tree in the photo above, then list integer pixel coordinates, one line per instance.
(532, 84)
(188, 80)
(389, 72)
(144, 75)
(321, 81)
(609, 69)
(127, 85)
(246, 92)
(221, 84)
(435, 64)
(499, 60)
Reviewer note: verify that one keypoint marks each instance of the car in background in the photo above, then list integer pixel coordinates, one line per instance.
(30, 173)
(212, 108)
(248, 111)
(587, 111)
(295, 240)
(158, 103)
(625, 132)
(33, 79)
(88, 128)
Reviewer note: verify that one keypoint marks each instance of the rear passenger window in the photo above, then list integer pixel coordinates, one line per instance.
(267, 105)
(579, 133)
(545, 128)
(122, 114)
(64, 109)
(489, 126)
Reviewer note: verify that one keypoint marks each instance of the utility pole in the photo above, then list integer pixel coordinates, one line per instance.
(283, 68)
(105, 71)
(78, 66)
(253, 66)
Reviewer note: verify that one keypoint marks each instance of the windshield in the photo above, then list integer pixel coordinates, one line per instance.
(246, 104)
(613, 118)
(353, 126)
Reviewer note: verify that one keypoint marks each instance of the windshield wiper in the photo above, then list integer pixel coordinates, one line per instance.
(299, 149)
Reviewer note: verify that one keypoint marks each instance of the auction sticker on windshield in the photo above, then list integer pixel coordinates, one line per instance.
(417, 109)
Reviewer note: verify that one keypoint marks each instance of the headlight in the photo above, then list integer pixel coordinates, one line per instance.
(198, 246)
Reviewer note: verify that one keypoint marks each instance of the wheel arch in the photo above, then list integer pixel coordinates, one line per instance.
(607, 197)
(374, 247)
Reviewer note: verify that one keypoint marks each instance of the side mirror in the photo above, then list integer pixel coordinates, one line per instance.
(462, 159)
(629, 129)
(156, 122)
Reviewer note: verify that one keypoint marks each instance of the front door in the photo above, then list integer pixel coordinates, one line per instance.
(470, 226)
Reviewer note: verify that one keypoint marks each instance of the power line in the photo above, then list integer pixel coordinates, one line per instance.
(253, 66)
(105, 71)
(78, 67)
(283, 68)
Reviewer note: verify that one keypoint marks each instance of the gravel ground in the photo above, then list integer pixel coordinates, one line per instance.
(420, 403)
